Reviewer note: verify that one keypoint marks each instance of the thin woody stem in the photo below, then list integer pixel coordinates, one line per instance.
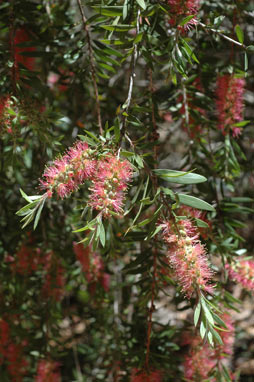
(93, 70)
(151, 310)
(222, 35)
(131, 80)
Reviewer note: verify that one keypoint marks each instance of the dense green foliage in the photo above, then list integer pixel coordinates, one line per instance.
(140, 85)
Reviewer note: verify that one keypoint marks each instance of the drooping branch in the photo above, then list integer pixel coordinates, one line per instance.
(151, 309)
(134, 58)
(206, 27)
(93, 69)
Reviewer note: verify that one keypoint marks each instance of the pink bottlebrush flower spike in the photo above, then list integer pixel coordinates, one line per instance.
(187, 256)
(242, 271)
(48, 371)
(109, 185)
(143, 376)
(229, 103)
(69, 172)
(182, 8)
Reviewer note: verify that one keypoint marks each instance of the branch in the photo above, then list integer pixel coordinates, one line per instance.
(93, 70)
(131, 81)
(222, 35)
(151, 310)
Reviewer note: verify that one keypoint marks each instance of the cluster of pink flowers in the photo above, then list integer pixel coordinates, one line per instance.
(187, 256)
(109, 176)
(48, 371)
(109, 184)
(229, 103)
(242, 271)
(26, 261)
(228, 337)
(183, 8)
(143, 376)
(69, 172)
(12, 353)
(201, 358)
(22, 36)
(199, 361)
(190, 212)
(92, 266)
(54, 282)
(5, 118)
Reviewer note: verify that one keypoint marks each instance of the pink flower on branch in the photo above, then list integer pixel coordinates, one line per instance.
(229, 103)
(242, 271)
(143, 376)
(69, 172)
(109, 185)
(187, 256)
(183, 8)
(48, 371)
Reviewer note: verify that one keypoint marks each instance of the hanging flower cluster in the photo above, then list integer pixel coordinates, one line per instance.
(54, 282)
(109, 176)
(143, 376)
(187, 256)
(22, 36)
(48, 371)
(229, 92)
(199, 361)
(109, 184)
(26, 261)
(92, 266)
(12, 353)
(183, 8)
(201, 358)
(5, 118)
(190, 212)
(242, 272)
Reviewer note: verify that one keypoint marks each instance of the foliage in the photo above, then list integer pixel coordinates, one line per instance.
(126, 152)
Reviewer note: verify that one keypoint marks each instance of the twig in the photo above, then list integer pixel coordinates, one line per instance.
(93, 70)
(222, 35)
(151, 310)
(131, 81)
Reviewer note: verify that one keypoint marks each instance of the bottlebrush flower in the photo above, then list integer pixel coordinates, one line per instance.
(190, 212)
(182, 8)
(228, 337)
(109, 185)
(143, 376)
(242, 271)
(48, 371)
(22, 36)
(69, 172)
(27, 260)
(92, 266)
(17, 364)
(229, 103)
(187, 256)
(5, 118)
(199, 361)
(4, 339)
(53, 286)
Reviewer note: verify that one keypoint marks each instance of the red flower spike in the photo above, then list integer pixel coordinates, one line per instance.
(143, 376)
(229, 103)
(242, 271)
(22, 36)
(48, 371)
(109, 185)
(187, 256)
(180, 9)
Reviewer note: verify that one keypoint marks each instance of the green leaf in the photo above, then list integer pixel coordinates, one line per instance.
(142, 4)
(102, 235)
(194, 202)
(239, 33)
(25, 196)
(180, 177)
(110, 11)
(201, 223)
(207, 313)
(197, 313)
(186, 20)
(202, 330)
(117, 28)
(250, 48)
